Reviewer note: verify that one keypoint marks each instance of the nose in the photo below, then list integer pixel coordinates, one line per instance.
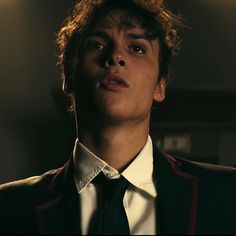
(111, 62)
(116, 58)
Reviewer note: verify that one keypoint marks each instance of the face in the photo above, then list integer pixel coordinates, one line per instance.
(117, 72)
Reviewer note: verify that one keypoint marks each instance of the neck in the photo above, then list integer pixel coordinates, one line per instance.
(117, 145)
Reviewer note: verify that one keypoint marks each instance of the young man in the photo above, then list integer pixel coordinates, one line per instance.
(115, 58)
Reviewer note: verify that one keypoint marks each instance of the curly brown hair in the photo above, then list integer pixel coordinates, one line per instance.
(158, 21)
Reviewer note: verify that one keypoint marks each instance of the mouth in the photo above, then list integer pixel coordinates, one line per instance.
(113, 83)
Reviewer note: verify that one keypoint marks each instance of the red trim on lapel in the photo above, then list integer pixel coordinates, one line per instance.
(41, 208)
(58, 177)
(59, 214)
(175, 165)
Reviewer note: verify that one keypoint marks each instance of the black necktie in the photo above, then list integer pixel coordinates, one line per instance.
(111, 217)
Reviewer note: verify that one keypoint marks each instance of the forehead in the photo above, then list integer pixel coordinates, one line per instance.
(118, 19)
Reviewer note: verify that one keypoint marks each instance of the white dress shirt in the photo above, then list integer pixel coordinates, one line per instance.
(139, 198)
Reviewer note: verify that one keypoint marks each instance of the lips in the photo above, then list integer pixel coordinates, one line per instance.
(114, 83)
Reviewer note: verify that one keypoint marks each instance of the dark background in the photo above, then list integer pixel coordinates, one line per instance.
(197, 120)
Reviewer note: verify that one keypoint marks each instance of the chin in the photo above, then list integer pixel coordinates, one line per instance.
(118, 117)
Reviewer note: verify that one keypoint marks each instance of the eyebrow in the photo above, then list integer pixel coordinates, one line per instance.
(104, 35)
(138, 36)
(100, 34)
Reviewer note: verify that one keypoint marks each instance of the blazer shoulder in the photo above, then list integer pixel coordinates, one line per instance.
(200, 169)
(28, 184)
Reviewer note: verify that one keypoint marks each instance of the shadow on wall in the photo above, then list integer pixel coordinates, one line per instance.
(33, 144)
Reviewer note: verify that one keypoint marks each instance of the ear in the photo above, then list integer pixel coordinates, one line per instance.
(160, 91)
(67, 85)
(68, 76)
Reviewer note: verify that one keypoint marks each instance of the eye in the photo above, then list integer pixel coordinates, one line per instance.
(137, 49)
(94, 45)
(98, 46)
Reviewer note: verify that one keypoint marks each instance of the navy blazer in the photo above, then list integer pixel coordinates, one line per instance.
(193, 198)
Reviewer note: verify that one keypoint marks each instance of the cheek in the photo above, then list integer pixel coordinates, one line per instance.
(88, 73)
(84, 74)
(148, 77)
(149, 66)
(89, 66)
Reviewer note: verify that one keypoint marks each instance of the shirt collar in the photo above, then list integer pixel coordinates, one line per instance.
(87, 165)
(139, 172)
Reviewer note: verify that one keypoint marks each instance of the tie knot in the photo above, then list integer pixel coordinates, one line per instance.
(110, 217)
(112, 188)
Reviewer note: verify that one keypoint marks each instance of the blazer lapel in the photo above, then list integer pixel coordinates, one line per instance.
(177, 196)
(60, 214)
